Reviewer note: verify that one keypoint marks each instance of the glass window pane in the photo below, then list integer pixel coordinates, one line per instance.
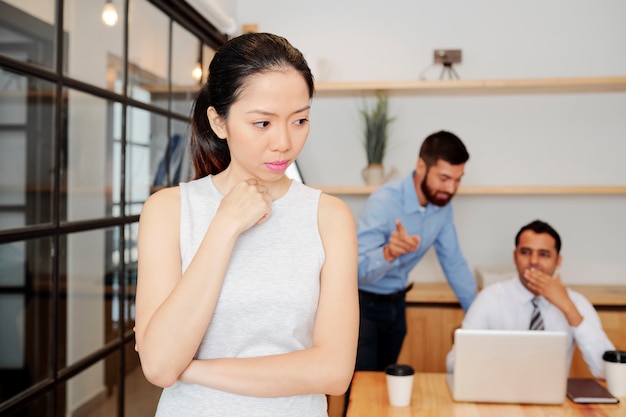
(25, 311)
(117, 159)
(27, 31)
(92, 176)
(182, 100)
(130, 239)
(89, 316)
(180, 166)
(89, 36)
(207, 56)
(26, 150)
(92, 393)
(146, 158)
(187, 54)
(148, 53)
(114, 283)
(39, 407)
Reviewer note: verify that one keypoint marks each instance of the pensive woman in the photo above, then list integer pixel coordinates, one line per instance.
(247, 300)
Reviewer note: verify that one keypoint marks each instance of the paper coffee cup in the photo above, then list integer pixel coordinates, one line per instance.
(615, 370)
(399, 384)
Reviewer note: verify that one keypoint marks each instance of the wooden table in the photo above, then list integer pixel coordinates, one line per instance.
(431, 397)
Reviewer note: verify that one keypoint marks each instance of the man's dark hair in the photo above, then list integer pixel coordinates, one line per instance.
(538, 226)
(443, 145)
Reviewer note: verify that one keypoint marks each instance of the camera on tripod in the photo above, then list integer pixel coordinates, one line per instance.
(447, 57)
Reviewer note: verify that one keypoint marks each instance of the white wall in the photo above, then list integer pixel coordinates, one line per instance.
(559, 139)
(394, 40)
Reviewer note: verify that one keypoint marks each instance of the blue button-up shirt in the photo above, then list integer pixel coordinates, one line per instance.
(397, 200)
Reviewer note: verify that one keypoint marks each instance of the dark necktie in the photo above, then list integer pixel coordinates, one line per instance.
(536, 321)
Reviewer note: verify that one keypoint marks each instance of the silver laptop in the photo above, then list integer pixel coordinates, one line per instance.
(502, 366)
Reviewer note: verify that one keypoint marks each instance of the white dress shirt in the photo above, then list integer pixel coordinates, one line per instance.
(508, 305)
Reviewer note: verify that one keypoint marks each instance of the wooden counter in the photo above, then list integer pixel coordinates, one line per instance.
(432, 293)
(431, 397)
(441, 293)
(603, 295)
(433, 313)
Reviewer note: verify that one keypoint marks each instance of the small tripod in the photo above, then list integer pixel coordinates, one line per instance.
(448, 69)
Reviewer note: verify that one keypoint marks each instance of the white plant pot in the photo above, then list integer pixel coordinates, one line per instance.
(374, 174)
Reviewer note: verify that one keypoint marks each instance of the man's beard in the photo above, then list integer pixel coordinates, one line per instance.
(431, 195)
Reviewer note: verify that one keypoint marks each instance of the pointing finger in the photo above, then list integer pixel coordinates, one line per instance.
(416, 242)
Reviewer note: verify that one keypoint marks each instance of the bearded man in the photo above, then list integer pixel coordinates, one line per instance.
(400, 221)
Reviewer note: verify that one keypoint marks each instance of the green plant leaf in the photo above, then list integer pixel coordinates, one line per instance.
(376, 121)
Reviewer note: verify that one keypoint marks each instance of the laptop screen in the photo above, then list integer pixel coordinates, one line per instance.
(293, 172)
(510, 366)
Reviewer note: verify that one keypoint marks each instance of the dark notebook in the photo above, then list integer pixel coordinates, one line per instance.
(588, 390)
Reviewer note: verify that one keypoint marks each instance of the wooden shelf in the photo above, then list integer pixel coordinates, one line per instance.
(346, 189)
(494, 190)
(478, 87)
(452, 87)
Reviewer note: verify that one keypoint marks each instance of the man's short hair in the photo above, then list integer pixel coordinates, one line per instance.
(538, 226)
(443, 145)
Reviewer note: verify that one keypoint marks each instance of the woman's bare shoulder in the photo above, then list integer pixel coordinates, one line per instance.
(334, 212)
(163, 203)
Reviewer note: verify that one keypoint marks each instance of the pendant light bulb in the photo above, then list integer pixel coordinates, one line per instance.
(109, 14)
(197, 72)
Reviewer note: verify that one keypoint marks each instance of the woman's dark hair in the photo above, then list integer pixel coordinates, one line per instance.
(443, 145)
(538, 227)
(231, 67)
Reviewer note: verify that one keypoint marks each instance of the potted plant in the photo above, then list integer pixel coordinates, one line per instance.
(375, 138)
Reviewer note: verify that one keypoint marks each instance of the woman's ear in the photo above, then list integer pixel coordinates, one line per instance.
(217, 122)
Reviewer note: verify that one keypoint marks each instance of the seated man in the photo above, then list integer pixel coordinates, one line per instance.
(510, 305)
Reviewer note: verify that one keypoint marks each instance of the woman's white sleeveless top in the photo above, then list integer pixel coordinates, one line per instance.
(268, 301)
